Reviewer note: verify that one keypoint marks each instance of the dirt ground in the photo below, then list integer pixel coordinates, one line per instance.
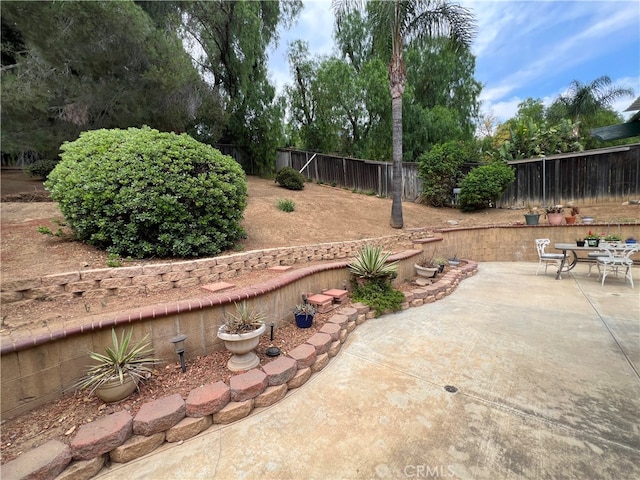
(322, 214)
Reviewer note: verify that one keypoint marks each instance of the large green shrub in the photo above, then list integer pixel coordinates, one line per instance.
(290, 178)
(485, 185)
(441, 170)
(143, 193)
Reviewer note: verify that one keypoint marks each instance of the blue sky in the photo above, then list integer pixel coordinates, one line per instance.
(523, 49)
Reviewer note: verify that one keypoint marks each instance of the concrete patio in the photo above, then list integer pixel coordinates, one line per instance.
(545, 377)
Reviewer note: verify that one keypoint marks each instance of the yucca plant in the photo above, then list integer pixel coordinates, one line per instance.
(371, 263)
(245, 319)
(124, 358)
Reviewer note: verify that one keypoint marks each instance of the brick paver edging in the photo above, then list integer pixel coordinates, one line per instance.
(123, 438)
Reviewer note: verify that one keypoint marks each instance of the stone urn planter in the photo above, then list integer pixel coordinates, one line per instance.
(427, 272)
(242, 346)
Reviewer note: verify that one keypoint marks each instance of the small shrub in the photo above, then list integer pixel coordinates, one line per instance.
(290, 179)
(379, 295)
(143, 193)
(40, 168)
(484, 185)
(286, 205)
(114, 261)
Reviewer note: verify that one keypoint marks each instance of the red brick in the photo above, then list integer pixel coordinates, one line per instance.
(321, 342)
(44, 462)
(248, 385)
(102, 435)
(332, 329)
(208, 399)
(280, 370)
(159, 415)
(304, 355)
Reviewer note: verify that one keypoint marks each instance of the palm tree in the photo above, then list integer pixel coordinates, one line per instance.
(394, 22)
(585, 99)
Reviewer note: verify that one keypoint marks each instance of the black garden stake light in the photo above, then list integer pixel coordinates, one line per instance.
(272, 351)
(179, 344)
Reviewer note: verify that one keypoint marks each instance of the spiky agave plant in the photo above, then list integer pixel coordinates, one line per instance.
(123, 358)
(371, 263)
(246, 319)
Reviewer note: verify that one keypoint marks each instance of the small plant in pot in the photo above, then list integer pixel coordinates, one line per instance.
(580, 242)
(592, 239)
(441, 262)
(119, 369)
(241, 334)
(303, 314)
(453, 260)
(571, 219)
(532, 217)
(554, 214)
(426, 267)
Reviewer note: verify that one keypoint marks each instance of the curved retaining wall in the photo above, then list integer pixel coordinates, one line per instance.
(120, 437)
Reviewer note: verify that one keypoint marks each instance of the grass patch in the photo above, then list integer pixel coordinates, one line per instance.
(286, 205)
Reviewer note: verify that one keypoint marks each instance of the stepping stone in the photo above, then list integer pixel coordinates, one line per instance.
(217, 287)
(339, 296)
(323, 303)
(280, 268)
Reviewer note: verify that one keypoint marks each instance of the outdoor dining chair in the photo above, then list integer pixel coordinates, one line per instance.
(614, 261)
(544, 257)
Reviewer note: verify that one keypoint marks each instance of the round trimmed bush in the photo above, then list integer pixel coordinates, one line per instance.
(290, 179)
(143, 193)
(485, 185)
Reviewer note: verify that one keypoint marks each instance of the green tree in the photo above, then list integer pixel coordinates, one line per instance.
(81, 67)
(484, 185)
(393, 23)
(588, 105)
(233, 38)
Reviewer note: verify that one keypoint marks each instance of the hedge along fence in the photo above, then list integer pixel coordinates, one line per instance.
(602, 175)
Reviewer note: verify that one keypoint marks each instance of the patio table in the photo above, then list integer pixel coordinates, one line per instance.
(575, 250)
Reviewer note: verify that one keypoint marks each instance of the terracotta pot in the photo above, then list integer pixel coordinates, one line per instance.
(114, 391)
(570, 220)
(554, 218)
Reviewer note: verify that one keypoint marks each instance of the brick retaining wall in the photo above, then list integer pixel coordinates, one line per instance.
(119, 437)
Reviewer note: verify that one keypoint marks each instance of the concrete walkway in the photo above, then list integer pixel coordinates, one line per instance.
(547, 379)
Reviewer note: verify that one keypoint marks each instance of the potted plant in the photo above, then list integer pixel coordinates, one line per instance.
(571, 219)
(587, 219)
(454, 261)
(241, 334)
(532, 217)
(119, 369)
(613, 237)
(426, 267)
(303, 314)
(441, 262)
(592, 239)
(630, 241)
(580, 242)
(554, 214)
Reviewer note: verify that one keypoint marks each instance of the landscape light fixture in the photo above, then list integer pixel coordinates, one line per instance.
(178, 342)
(272, 351)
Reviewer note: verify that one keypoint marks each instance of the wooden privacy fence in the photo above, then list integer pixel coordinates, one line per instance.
(606, 174)
(352, 173)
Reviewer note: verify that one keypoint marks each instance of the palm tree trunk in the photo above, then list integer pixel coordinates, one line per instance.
(396, 206)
